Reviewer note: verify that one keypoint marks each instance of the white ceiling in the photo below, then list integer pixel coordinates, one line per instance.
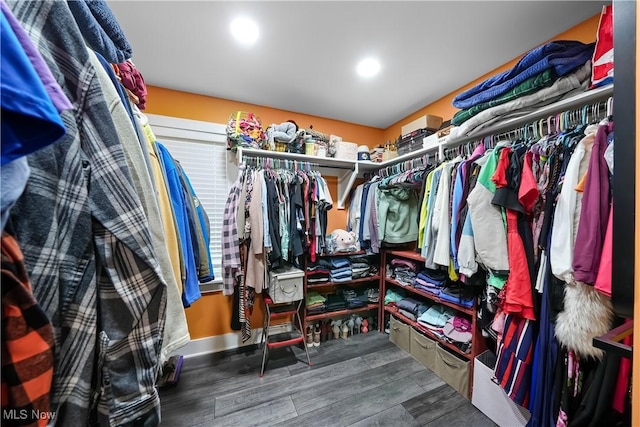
(305, 58)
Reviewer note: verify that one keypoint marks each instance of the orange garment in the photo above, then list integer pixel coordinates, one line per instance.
(580, 186)
(27, 344)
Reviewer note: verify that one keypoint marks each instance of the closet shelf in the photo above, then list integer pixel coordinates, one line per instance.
(434, 298)
(329, 314)
(342, 254)
(349, 282)
(345, 170)
(578, 100)
(408, 254)
(394, 311)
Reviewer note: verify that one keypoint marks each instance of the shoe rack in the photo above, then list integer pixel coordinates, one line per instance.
(341, 324)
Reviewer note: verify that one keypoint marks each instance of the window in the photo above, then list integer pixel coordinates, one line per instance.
(200, 147)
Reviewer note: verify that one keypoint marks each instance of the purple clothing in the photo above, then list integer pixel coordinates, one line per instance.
(562, 55)
(594, 213)
(51, 86)
(399, 262)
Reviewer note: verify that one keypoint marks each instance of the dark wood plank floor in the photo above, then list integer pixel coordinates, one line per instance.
(363, 381)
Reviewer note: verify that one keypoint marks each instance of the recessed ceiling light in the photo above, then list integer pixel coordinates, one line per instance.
(244, 30)
(368, 67)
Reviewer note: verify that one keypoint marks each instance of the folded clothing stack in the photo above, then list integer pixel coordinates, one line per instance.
(352, 298)
(360, 270)
(458, 293)
(392, 296)
(412, 308)
(318, 276)
(373, 295)
(544, 75)
(315, 303)
(458, 330)
(335, 302)
(431, 281)
(404, 271)
(340, 270)
(435, 318)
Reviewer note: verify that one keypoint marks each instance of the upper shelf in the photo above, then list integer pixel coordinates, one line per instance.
(327, 162)
(347, 170)
(572, 102)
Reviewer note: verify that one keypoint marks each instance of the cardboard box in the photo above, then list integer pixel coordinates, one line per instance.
(427, 121)
(489, 397)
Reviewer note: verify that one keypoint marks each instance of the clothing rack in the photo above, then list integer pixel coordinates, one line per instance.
(583, 99)
(415, 163)
(345, 170)
(542, 126)
(269, 163)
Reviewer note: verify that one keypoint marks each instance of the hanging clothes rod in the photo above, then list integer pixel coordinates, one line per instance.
(323, 162)
(578, 101)
(400, 167)
(269, 163)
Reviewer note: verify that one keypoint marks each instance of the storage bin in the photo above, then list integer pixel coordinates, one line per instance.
(489, 397)
(346, 150)
(423, 349)
(400, 334)
(453, 370)
(285, 285)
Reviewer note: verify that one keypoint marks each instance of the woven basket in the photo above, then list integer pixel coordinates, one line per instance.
(244, 129)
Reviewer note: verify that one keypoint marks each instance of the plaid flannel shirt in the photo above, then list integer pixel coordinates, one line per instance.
(87, 246)
(230, 242)
(27, 344)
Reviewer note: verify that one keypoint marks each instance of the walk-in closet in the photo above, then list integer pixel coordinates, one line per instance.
(367, 213)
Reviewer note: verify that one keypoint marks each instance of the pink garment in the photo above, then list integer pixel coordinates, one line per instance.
(605, 273)
(132, 79)
(622, 385)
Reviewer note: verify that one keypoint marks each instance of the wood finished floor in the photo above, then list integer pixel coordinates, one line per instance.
(363, 381)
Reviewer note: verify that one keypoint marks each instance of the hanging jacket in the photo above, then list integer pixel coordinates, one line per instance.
(466, 250)
(397, 211)
(490, 237)
(191, 291)
(594, 214)
(567, 213)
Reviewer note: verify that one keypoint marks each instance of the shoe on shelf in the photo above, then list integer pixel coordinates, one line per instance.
(365, 326)
(351, 323)
(325, 331)
(358, 324)
(309, 336)
(336, 327)
(345, 331)
(316, 335)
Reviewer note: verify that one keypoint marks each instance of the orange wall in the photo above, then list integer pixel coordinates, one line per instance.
(211, 315)
(186, 105)
(584, 32)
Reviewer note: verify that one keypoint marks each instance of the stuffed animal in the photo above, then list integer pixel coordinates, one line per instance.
(345, 241)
